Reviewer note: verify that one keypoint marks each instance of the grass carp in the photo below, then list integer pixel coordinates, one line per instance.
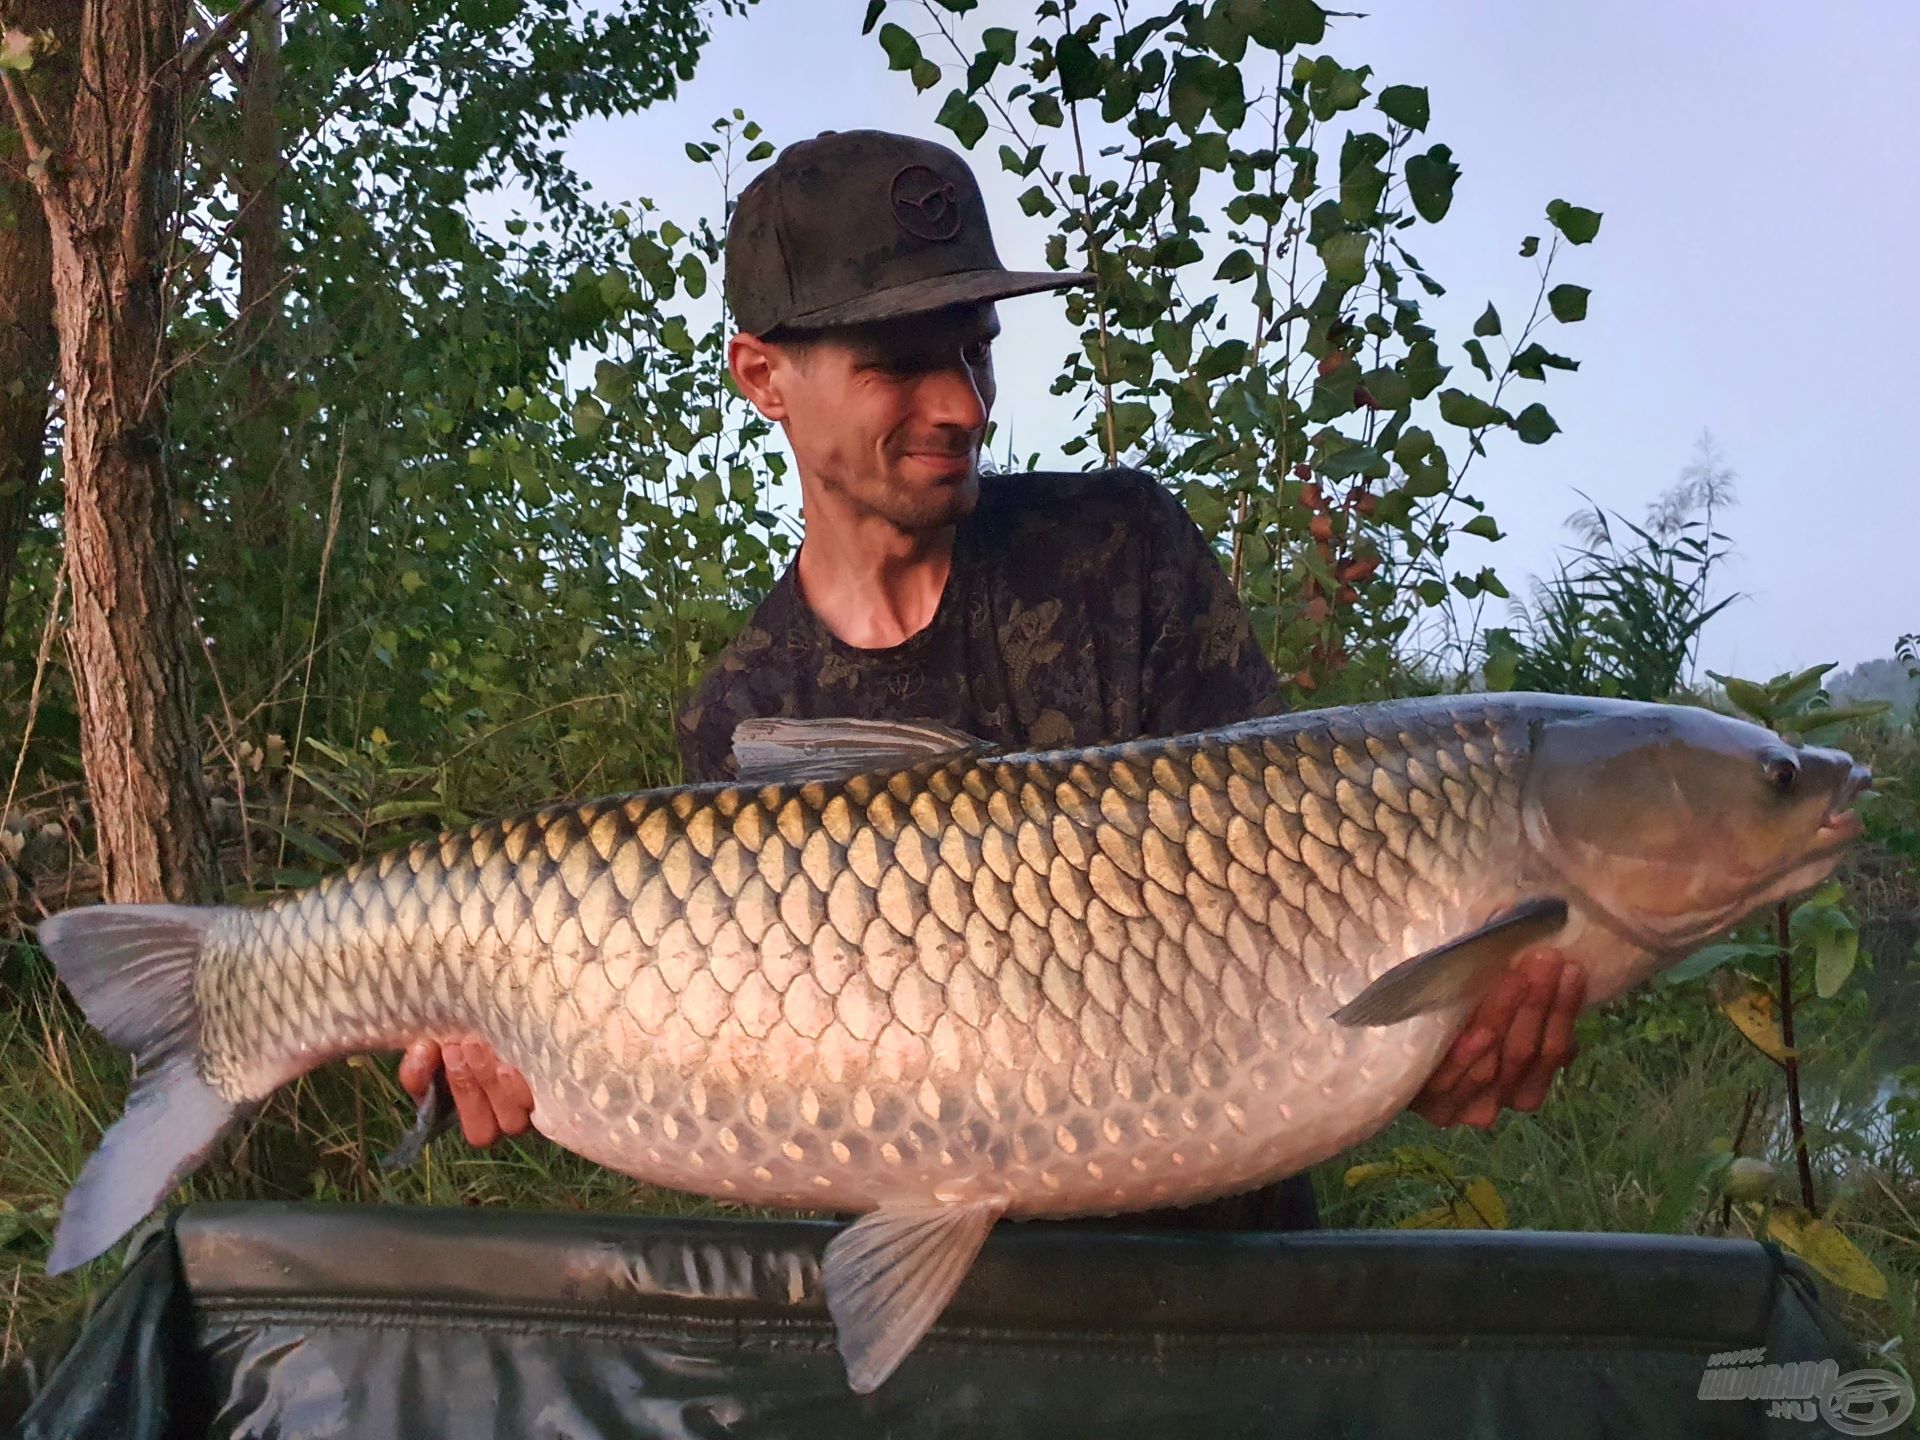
(894, 972)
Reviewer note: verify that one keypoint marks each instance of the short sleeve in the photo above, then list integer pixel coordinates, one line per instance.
(1202, 667)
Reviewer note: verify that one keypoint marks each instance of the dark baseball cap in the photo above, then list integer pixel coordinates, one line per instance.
(862, 225)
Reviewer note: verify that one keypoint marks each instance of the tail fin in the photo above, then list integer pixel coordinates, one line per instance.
(131, 967)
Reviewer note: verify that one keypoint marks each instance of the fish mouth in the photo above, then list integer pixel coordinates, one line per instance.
(1843, 822)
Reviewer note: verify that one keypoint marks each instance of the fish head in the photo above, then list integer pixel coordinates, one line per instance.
(1677, 822)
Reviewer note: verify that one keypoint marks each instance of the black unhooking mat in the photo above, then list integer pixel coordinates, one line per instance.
(297, 1322)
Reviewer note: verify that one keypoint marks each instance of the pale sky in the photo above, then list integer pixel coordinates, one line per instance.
(1751, 276)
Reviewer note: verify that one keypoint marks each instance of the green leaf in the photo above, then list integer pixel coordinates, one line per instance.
(1747, 697)
(1131, 420)
(1578, 224)
(1529, 247)
(963, 117)
(1237, 266)
(16, 51)
(1533, 362)
(1803, 686)
(1836, 946)
(1423, 368)
(762, 151)
(1712, 957)
(957, 7)
(925, 75)
(1457, 407)
(1282, 24)
(1362, 181)
(1390, 389)
(1079, 68)
(1569, 302)
(1222, 359)
(874, 11)
(1483, 526)
(998, 41)
(1406, 104)
(1045, 110)
(693, 276)
(1534, 425)
(1430, 181)
(1413, 446)
(588, 416)
(1034, 201)
(1229, 98)
(1188, 97)
(1478, 354)
(903, 51)
(1345, 256)
(1489, 321)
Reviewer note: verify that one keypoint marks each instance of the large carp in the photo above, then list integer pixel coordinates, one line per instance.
(894, 972)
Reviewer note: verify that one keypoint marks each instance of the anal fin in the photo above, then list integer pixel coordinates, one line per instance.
(1450, 972)
(890, 1274)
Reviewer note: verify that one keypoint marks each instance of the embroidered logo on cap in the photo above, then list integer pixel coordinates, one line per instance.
(926, 203)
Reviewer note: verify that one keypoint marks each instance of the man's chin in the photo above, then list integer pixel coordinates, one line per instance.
(937, 507)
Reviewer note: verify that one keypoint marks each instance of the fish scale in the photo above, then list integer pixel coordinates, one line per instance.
(1192, 914)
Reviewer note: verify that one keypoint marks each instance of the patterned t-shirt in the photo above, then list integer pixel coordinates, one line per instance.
(1081, 609)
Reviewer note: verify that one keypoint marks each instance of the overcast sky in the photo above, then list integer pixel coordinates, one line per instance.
(1752, 277)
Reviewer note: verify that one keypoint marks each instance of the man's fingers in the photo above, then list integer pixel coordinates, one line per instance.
(477, 1121)
(1447, 1105)
(417, 1068)
(1557, 1046)
(1466, 1052)
(1521, 1044)
(512, 1100)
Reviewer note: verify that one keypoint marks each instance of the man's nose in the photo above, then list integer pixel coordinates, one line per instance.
(950, 396)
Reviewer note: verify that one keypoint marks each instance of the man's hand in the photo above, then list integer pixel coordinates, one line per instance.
(1521, 1034)
(493, 1099)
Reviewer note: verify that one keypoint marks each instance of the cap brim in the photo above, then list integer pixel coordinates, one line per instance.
(921, 297)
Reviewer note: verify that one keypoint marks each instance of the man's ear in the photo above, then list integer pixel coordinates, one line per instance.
(758, 371)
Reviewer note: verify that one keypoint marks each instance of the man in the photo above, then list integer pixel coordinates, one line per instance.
(1033, 610)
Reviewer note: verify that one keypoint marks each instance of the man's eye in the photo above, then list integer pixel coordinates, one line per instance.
(978, 354)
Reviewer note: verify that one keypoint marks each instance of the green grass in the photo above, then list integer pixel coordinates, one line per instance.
(1661, 1084)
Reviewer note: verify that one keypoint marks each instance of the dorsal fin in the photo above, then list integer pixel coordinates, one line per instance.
(779, 751)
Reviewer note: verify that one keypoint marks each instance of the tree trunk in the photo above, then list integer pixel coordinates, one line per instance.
(27, 345)
(106, 198)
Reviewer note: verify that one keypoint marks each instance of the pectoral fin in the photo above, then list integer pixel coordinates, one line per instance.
(1459, 968)
(434, 1115)
(890, 1274)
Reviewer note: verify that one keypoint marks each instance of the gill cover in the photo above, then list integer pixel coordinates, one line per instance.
(1675, 821)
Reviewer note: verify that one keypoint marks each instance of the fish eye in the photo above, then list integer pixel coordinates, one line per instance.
(1783, 773)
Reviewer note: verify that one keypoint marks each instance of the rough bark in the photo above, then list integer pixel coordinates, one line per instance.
(27, 346)
(127, 643)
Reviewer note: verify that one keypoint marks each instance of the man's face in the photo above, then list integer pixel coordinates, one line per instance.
(891, 416)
